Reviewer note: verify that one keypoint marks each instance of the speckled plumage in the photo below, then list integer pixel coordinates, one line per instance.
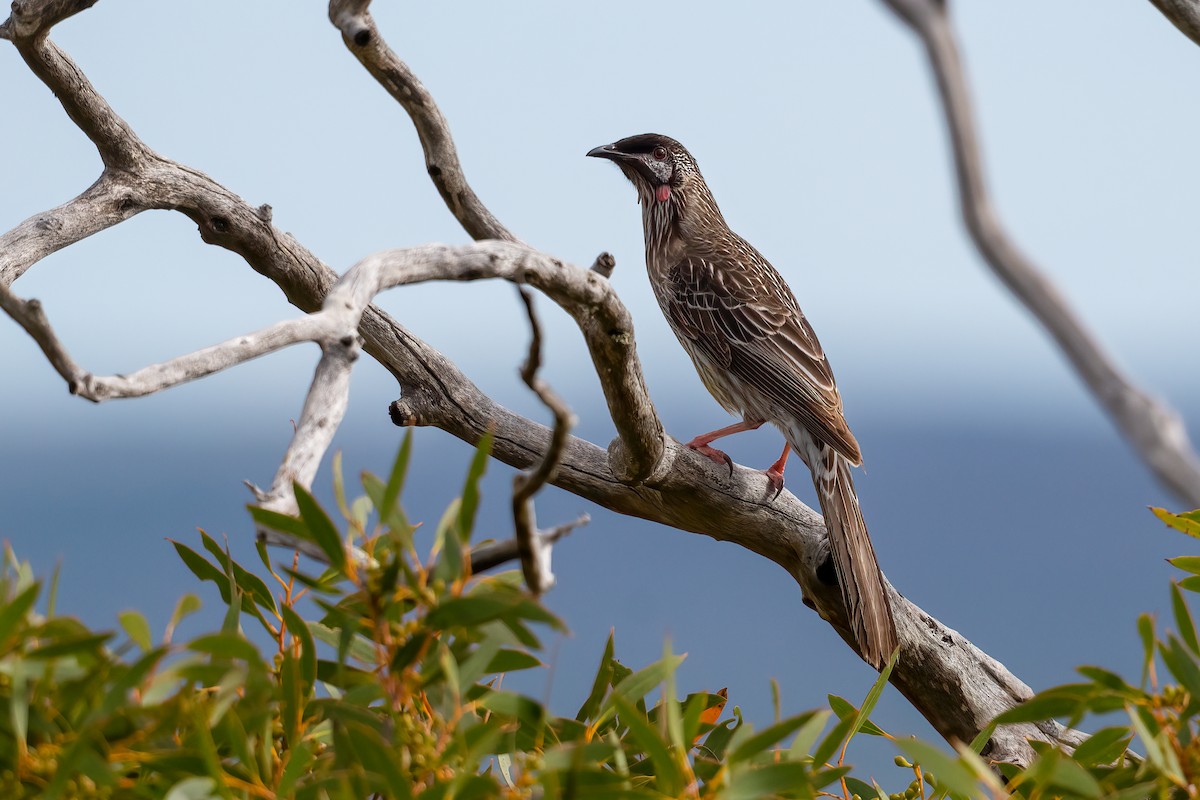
(756, 353)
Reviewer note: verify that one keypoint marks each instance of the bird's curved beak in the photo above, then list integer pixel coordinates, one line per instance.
(608, 151)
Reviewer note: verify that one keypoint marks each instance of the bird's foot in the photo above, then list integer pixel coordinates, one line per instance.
(712, 453)
(774, 475)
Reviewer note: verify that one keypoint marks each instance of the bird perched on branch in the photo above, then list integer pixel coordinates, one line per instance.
(758, 356)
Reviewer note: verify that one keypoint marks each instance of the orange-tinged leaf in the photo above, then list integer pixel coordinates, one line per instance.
(709, 716)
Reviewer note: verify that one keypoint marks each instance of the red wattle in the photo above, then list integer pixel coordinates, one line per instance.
(662, 193)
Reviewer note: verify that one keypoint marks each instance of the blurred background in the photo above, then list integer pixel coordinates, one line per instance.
(999, 497)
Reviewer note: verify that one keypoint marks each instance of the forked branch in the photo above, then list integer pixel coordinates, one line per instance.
(646, 474)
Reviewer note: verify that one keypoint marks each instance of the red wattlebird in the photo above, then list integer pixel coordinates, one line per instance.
(758, 356)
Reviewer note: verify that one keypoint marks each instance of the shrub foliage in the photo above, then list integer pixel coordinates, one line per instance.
(381, 675)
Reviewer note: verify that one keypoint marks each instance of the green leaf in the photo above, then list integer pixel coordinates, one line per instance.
(863, 789)
(371, 751)
(396, 479)
(308, 649)
(339, 484)
(276, 521)
(507, 660)
(250, 583)
(1183, 618)
(1104, 746)
(832, 741)
(770, 780)
(299, 757)
(323, 531)
(447, 544)
(873, 695)
(1105, 679)
(231, 733)
(1184, 523)
(16, 611)
(666, 767)
(1059, 701)
(1145, 626)
(52, 592)
(981, 739)
(136, 628)
(1187, 563)
(203, 569)
(846, 710)
(1069, 775)
(634, 687)
(188, 604)
(1157, 749)
(476, 665)
(291, 696)
(670, 702)
(746, 746)
(71, 645)
(591, 706)
(515, 706)
(228, 645)
(807, 735)
(469, 611)
(1182, 664)
(197, 788)
(470, 493)
(952, 774)
(359, 647)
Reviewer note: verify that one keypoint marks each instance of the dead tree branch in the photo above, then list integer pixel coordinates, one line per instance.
(533, 548)
(954, 684)
(362, 39)
(1154, 430)
(1183, 14)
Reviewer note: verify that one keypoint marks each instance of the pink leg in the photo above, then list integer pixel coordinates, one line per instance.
(775, 471)
(701, 442)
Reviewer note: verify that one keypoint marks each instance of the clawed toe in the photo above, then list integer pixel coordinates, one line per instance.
(713, 454)
(774, 483)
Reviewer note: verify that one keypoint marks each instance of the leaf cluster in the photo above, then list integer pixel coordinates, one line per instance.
(380, 674)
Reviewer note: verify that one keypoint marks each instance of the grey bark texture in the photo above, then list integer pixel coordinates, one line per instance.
(1183, 14)
(643, 473)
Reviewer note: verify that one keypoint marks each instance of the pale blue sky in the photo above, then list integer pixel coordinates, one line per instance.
(816, 126)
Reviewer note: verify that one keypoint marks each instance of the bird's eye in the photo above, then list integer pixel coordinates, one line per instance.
(660, 153)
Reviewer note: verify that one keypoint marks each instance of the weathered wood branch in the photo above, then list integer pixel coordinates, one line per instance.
(362, 38)
(955, 685)
(1154, 430)
(1183, 14)
(534, 549)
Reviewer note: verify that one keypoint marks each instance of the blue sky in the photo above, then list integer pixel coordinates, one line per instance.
(992, 481)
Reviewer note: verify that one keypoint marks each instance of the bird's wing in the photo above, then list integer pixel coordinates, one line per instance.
(741, 314)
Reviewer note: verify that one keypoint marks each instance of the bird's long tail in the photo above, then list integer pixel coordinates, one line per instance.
(858, 574)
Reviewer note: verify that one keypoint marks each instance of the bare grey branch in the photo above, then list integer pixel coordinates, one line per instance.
(589, 299)
(533, 549)
(956, 686)
(1183, 14)
(604, 265)
(1155, 430)
(363, 39)
(493, 554)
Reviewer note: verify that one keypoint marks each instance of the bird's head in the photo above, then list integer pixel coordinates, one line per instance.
(658, 166)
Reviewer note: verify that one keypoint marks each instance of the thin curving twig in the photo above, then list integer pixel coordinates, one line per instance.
(1154, 430)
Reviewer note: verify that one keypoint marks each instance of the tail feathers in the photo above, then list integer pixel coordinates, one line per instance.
(863, 590)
